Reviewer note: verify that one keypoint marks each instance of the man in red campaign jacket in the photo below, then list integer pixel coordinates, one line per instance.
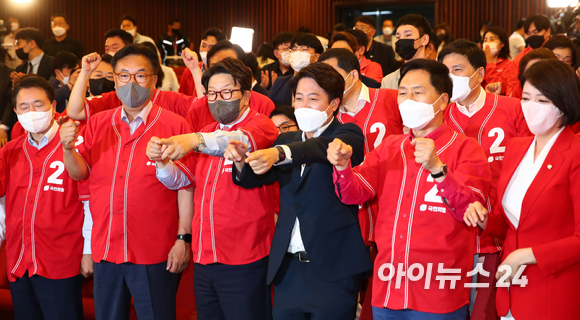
(490, 119)
(424, 181)
(141, 230)
(232, 227)
(44, 215)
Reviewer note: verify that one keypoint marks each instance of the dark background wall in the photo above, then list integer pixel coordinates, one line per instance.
(90, 19)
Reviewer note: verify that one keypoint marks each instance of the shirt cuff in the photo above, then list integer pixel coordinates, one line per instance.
(288, 153)
(4, 127)
(165, 172)
(87, 247)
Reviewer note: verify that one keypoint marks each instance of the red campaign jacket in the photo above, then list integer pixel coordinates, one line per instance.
(232, 225)
(503, 71)
(550, 225)
(172, 101)
(44, 215)
(378, 119)
(186, 84)
(199, 115)
(500, 120)
(134, 215)
(420, 221)
(371, 69)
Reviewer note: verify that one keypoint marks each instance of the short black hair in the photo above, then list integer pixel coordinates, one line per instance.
(107, 58)
(340, 27)
(129, 18)
(559, 83)
(59, 15)
(561, 41)
(417, 21)
(286, 111)
(307, 39)
(540, 21)
(65, 59)
(466, 48)
(124, 35)
(500, 32)
(438, 72)
(32, 81)
(161, 74)
(281, 38)
(172, 21)
(520, 24)
(29, 34)
(361, 37)
(214, 32)
(346, 37)
(225, 45)
(304, 29)
(325, 76)
(251, 62)
(347, 61)
(136, 49)
(536, 54)
(367, 20)
(234, 67)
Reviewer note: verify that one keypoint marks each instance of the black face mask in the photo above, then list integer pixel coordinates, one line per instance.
(21, 54)
(100, 86)
(176, 31)
(225, 112)
(405, 48)
(535, 41)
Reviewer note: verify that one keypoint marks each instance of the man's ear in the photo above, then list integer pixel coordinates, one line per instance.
(425, 40)
(481, 74)
(355, 75)
(248, 96)
(316, 57)
(444, 102)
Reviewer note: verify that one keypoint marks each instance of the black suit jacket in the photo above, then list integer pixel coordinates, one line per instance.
(281, 91)
(259, 89)
(329, 228)
(371, 83)
(6, 108)
(45, 68)
(382, 54)
(275, 66)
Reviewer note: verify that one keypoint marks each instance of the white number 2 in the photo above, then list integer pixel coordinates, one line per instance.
(495, 148)
(59, 170)
(432, 196)
(382, 131)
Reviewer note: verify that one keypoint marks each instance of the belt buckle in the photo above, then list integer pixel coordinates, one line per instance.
(301, 255)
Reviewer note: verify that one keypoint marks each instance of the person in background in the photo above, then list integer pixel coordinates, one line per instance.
(29, 44)
(172, 43)
(484, 26)
(517, 40)
(444, 35)
(527, 61)
(538, 208)
(501, 75)
(368, 68)
(322, 39)
(6, 108)
(284, 119)
(538, 30)
(115, 40)
(346, 40)
(563, 48)
(266, 55)
(431, 49)
(251, 62)
(62, 41)
(378, 52)
(129, 24)
(64, 64)
(413, 32)
(168, 81)
(102, 79)
(8, 42)
(387, 37)
(281, 43)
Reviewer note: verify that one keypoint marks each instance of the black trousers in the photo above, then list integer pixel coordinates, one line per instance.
(232, 292)
(41, 298)
(152, 287)
(301, 293)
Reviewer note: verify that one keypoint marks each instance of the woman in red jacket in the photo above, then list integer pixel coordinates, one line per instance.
(539, 212)
(500, 69)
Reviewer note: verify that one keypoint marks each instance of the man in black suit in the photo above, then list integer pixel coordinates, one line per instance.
(380, 53)
(317, 257)
(251, 62)
(6, 110)
(29, 44)
(270, 72)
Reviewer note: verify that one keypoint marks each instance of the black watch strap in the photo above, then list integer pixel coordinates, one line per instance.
(282, 155)
(185, 237)
(443, 172)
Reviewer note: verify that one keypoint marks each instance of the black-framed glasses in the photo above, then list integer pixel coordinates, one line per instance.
(286, 127)
(226, 94)
(140, 77)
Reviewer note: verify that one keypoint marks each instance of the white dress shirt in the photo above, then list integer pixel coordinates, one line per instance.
(44, 141)
(516, 41)
(474, 107)
(141, 119)
(363, 98)
(35, 63)
(391, 80)
(170, 82)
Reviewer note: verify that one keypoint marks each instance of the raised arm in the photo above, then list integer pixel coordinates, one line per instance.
(76, 103)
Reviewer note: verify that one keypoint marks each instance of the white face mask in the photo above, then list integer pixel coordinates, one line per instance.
(58, 31)
(132, 32)
(65, 80)
(285, 58)
(461, 88)
(203, 55)
(388, 31)
(492, 47)
(416, 115)
(14, 26)
(299, 60)
(345, 91)
(310, 120)
(540, 117)
(35, 121)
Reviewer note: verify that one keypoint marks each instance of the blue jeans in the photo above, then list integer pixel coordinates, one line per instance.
(408, 314)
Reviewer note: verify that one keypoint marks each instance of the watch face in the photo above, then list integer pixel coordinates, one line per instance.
(444, 169)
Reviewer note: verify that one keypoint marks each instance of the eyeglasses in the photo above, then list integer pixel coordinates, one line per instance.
(286, 127)
(140, 77)
(226, 94)
(362, 28)
(301, 49)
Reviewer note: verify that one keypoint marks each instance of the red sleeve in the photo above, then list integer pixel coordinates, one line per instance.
(17, 131)
(199, 116)
(3, 170)
(491, 74)
(496, 226)
(392, 111)
(186, 85)
(261, 104)
(261, 131)
(177, 103)
(374, 71)
(509, 78)
(519, 121)
(94, 105)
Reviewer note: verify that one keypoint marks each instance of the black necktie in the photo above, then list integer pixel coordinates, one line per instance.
(29, 67)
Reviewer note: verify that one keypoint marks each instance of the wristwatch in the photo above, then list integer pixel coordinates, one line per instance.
(282, 154)
(443, 172)
(200, 144)
(185, 237)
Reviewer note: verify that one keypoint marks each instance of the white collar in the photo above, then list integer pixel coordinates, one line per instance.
(143, 114)
(50, 134)
(474, 107)
(318, 132)
(244, 115)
